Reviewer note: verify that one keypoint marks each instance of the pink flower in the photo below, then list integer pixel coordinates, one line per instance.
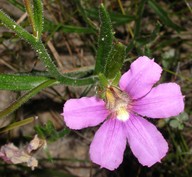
(122, 112)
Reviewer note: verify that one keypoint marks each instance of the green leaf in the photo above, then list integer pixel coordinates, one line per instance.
(17, 124)
(75, 29)
(166, 42)
(52, 27)
(42, 53)
(49, 132)
(178, 121)
(103, 80)
(36, 44)
(15, 3)
(85, 15)
(163, 15)
(38, 17)
(120, 19)
(141, 41)
(115, 61)
(181, 127)
(116, 18)
(24, 98)
(20, 82)
(105, 40)
(54, 72)
(29, 10)
(183, 116)
(35, 15)
(11, 24)
(116, 79)
(138, 18)
(174, 123)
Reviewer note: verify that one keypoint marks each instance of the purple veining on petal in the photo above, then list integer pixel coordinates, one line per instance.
(108, 144)
(145, 141)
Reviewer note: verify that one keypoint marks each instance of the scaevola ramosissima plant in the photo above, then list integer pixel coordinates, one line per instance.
(124, 111)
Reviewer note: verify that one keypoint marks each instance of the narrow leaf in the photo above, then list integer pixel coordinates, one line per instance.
(15, 105)
(138, 18)
(43, 55)
(116, 18)
(15, 3)
(49, 132)
(20, 82)
(105, 40)
(148, 38)
(103, 80)
(38, 17)
(30, 14)
(116, 79)
(115, 61)
(17, 124)
(163, 15)
(84, 15)
(52, 27)
(11, 24)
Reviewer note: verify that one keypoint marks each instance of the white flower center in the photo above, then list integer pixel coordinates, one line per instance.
(122, 114)
(117, 102)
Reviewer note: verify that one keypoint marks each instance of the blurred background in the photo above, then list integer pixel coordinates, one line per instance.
(159, 29)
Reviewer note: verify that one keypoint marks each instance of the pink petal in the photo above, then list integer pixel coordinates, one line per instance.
(84, 112)
(108, 145)
(145, 141)
(163, 101)
(143, 74)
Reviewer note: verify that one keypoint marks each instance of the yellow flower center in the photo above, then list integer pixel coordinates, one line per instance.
(117, 102)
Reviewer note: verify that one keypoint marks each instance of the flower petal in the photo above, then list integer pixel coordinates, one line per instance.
(108, 145)
(163, 101)
(84, 112)
(143, 74)
(145, 141)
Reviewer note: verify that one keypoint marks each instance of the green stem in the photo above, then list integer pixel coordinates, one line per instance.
(15, 105)
(37, 45)
(43, 55)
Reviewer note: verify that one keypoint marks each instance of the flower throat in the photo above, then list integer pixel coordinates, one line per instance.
(117, 102)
